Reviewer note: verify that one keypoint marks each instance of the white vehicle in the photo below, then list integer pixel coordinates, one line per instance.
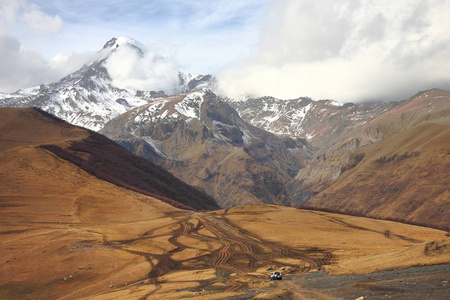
(276, 276)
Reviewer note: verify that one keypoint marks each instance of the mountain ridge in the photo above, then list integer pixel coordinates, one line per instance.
(98, 156)
(203, 141)
(87, 96)
(211, 145)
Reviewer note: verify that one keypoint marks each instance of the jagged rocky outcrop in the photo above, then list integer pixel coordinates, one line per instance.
(203, 141)
(323, 123)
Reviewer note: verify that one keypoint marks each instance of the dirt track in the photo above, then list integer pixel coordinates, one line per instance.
(238, 256)
(217, 255)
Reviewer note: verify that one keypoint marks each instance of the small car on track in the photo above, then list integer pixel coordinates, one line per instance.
(276, 276)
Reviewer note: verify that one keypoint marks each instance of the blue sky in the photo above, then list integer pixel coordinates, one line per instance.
(193, 32)
(347, 50)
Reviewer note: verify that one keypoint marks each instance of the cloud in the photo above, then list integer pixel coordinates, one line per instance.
(41, 22)
(31, 15)
(23, 67)
(201, 35)
(347, 50)
(150, 71)
(9, 9)
(63, 64)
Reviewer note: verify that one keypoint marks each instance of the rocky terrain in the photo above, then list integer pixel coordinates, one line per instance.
(394, 166)
(323, 123)
(203, 141)
(82, 218)
(296, 152)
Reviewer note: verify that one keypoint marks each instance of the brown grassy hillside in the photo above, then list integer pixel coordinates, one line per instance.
(330, 162)
(97, 241)
(67, 234)
(404, 176)
(97, 155)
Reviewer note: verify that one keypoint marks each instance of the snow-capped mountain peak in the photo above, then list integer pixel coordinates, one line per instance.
(90, 97)
(123, 41)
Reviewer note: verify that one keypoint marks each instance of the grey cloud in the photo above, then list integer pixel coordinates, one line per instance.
(375, 28)
(347, 51)
(21, 67)
(417, 19)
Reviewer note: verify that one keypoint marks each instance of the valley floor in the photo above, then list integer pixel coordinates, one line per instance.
(221, 254)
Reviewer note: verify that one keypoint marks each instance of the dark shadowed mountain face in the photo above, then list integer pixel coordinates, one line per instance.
(88, 98)
(203, 141)
(98, 156)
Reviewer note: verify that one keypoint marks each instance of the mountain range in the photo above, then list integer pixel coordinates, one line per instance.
(118, 193)
(83, 218)
(87, 97)
(251, 150)
(203, 141)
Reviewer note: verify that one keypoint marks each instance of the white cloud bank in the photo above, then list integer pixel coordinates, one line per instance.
(23, 11)
(43, 23)
(149, 72)
(347, 50)
(21, 66)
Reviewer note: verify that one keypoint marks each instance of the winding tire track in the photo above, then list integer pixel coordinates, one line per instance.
(236, 246)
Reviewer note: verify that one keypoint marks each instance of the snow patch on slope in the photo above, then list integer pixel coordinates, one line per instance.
(154, 111)
(191, 105)
(299, 115)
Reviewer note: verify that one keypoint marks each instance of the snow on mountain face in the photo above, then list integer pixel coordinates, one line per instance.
(203, 141)
(320, 122)
(191, 105)
(84, 98)
(88, 98)
(172, 108)
(115, 43)
(275, 115)
(189, 82)
(203, 107)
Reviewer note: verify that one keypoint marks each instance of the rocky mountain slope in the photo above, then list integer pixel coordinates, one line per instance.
(394, 166)
(323, 123)
(203, 141)
(404, 177)
(32, 131)
(88, 98)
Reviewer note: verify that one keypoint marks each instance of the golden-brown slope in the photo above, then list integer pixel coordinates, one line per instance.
(29, 127)
(430, 105)
(404, 176)
(66, 234)
(330, 162)
(46, 203)
(97, 155)
(86, 238)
